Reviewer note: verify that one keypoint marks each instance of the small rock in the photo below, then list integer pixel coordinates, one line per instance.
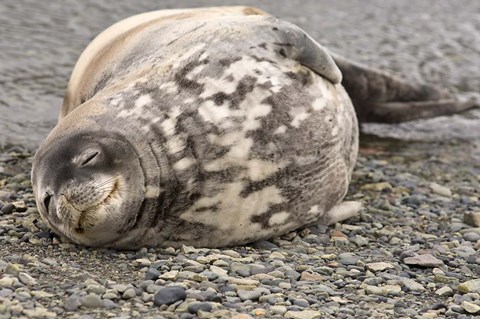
(470, 286)
(26, 279)
(304, 314)
(348, 259)
(470, 307)
(440, 190)
(142, 262)
(412, 285)
(7, 282)
(307, 276)
(249, 294)
(152, 274)
(264, 244)
(301, 303)
(8, 209)
(129, 294)
(383, 290)
(72, 303)
(444, 291)
(276, 255)
(376, 186)
(120, 288)
(170, 275)
(12, 269)
(379, 266)
(278, 309)
(471, 236)
(194, 307)
(93, 301)
(425, 260)
(169, 295)
(472, 219)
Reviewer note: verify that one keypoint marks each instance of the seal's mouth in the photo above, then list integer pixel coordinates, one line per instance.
(85, 215)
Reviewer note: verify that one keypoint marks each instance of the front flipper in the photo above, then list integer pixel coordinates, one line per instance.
(384, 98)
(294, 43)
(340, 212)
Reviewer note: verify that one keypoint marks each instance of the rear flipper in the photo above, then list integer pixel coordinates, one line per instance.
(384, 98)
(340, 212)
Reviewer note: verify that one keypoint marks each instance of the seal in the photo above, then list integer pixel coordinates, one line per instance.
(207, 127)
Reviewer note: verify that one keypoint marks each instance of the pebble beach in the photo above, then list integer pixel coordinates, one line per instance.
(413, 251)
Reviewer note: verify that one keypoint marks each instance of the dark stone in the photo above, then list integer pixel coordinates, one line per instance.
(8, 208)
(194, 307)
(439, 305)
(152, 274)
(169, 295)
(44, 234)
(264, 244)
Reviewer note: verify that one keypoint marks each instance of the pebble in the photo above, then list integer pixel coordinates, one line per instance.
(250, 294)
(169, 295)
(412, 285)
(469, 286)
(304, 314)
(470, 307)
(379, 266)
(8, 208)
(425, 260)
(194, 307)
(314, 277)
(444, 291)
(93, 301)
(348, 259)
(440, 190)
(129, 294)
(472, 219)
(386, 290)
(471, 236)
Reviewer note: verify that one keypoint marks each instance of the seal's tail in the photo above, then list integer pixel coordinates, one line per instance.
(384, 98)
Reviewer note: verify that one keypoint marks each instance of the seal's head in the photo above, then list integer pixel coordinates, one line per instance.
(89, 187)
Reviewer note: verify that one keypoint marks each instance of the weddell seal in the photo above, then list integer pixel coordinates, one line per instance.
(211, 127)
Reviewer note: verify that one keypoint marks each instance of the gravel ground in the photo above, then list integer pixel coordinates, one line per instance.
(412, 253)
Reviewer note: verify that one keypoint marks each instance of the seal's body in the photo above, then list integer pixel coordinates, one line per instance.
(205, 127)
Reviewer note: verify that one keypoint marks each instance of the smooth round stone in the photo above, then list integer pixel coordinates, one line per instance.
(93, 301)
(194, 307)
(471, 236)
(129, 294)
(8, 208)
(152, 274)
(169, 295)
(301, 303)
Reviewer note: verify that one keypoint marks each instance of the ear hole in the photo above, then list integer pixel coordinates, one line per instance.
(89, 159)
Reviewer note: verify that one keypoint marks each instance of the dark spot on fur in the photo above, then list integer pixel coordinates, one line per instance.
(183, 82)
(289, 45)
(302, 76)
(226, 62)
(282, 52)
(275, 29)
(263, 45)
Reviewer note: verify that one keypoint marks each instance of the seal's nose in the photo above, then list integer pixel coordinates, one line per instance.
(46, 201)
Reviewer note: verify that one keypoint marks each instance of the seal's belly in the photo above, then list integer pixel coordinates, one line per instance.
(259, 149)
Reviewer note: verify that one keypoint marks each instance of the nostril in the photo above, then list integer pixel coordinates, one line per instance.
(46, 201)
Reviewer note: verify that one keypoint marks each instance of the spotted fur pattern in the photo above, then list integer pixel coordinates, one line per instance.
(240, 132)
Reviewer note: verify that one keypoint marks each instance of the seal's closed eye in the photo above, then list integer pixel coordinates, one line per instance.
(89, 158)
